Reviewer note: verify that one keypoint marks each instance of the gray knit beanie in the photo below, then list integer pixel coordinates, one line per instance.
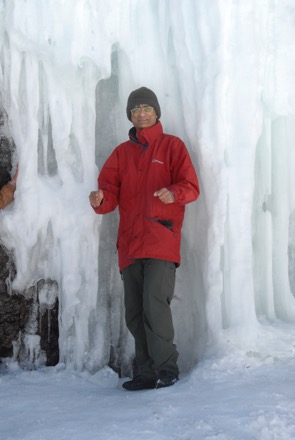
(143, 95)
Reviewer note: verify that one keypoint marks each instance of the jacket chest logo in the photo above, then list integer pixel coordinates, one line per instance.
(157, 161)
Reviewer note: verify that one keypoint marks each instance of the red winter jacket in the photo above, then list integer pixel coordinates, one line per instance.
(149, 161)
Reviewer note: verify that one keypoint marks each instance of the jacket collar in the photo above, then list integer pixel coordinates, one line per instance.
(146, 136)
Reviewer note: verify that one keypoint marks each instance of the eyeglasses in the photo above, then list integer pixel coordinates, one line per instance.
(137, 110)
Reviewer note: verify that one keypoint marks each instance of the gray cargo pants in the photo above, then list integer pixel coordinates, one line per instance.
(149, 288)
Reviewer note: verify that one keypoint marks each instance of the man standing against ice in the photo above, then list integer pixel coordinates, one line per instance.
(151, 177)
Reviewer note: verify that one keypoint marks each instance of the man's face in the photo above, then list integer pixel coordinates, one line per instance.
(143, 116)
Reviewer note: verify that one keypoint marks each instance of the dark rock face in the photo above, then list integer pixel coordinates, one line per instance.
(14, 311)
(28, 329)
(37, 341)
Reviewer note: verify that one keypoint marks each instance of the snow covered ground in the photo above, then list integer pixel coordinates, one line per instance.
(237, 396)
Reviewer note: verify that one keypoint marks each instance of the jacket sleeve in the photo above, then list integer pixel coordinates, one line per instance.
(6, 195)
(185, 186)
(109, 182)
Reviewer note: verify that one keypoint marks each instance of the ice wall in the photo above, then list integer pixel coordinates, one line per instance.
(223, 71)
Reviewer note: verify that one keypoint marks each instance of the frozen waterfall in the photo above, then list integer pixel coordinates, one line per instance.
(224, 73)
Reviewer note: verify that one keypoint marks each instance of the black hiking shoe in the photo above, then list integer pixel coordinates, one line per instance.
(166, 379)
(140, 383)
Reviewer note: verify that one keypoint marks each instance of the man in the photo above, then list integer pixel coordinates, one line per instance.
(151, 178)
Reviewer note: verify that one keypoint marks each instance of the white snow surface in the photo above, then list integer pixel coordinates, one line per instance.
(223, 71)
(237, 396)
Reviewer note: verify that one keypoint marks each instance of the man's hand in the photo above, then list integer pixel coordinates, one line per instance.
(165, 195)
(95, 198)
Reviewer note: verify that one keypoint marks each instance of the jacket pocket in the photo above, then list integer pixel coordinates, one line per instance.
(167, 224)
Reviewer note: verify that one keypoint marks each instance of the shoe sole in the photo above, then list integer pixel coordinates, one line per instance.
(139, 388)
